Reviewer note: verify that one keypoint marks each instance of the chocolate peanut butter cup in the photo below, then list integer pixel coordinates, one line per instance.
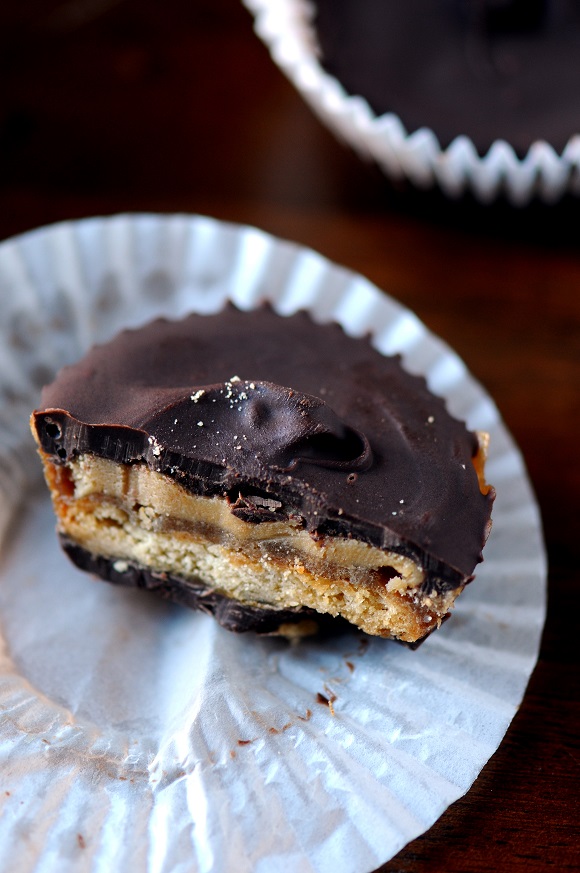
(486, 69)
(270, 470)
(471, 96)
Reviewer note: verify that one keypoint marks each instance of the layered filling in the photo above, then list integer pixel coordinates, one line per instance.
(128, 513)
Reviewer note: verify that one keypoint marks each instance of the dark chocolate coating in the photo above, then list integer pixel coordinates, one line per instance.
(488, 69)
(259, 408)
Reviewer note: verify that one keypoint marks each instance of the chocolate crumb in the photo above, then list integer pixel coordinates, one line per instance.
(328, 701)
(363, 646)
(324, 701)
(331, 694)
(273, 730)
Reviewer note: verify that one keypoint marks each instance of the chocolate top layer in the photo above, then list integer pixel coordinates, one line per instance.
(285, 417)
(488, 69)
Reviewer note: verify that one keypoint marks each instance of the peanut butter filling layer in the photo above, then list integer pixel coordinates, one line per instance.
(129, 513)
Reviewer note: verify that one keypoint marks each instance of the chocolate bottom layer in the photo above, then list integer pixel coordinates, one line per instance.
(230, 614)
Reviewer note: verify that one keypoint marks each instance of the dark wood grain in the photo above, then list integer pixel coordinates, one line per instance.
(125, 105)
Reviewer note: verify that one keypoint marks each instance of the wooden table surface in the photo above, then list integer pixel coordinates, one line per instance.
(126, 105)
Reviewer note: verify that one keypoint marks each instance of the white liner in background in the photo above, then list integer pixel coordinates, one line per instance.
(137, 735)
(285, 27)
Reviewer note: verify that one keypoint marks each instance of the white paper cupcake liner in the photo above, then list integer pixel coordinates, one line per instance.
(137, 735)
(285, 27)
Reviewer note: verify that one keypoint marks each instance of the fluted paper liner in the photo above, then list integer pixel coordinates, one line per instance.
(137, 735)
(285, 26)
